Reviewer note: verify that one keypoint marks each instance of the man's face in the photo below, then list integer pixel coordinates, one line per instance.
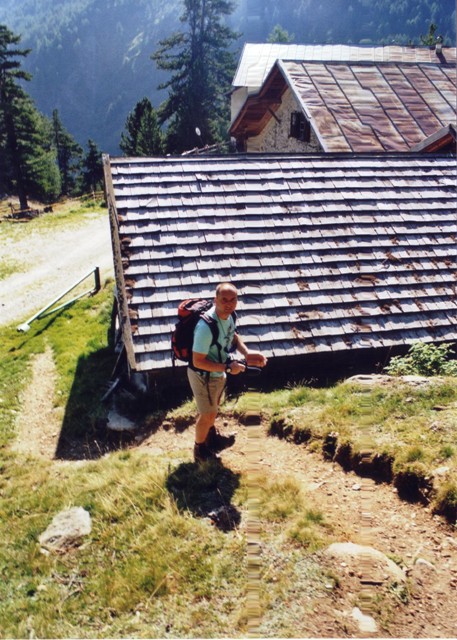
(226, 302)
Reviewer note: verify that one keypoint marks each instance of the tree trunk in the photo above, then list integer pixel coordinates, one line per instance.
(13, 152)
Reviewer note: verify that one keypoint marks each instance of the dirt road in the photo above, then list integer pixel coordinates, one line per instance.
(49, 261)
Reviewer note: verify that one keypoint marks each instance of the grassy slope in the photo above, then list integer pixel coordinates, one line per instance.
(397, 433)
(149, 563)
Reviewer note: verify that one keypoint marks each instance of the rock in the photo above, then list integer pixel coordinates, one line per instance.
(421, 562)
(452, 541)
(417, 380)
(66, 530)
(366, 623)
(369, 379)
(371, 562)
(225, 518)
(380, 379)
(441, 471)
(117, 422)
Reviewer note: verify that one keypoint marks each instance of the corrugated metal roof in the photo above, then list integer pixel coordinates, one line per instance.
(330, 252)
(257, 60)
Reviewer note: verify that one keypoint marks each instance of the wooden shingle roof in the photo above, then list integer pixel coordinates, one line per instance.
(329, 252)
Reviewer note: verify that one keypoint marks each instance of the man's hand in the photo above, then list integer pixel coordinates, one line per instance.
(236, 367)
(256, 359)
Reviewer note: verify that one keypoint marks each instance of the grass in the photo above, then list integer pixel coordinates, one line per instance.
(8, 267)
(63, 215)
(409, 423)
(408, 431)
(154, 565)
(77, 336)
(142, 550)
(283, 503)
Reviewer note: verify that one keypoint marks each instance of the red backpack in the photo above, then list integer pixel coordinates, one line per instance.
(189, 313)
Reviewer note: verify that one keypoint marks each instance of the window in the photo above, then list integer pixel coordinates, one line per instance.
(300, 127)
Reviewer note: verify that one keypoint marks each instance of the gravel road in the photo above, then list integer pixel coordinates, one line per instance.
(49, 261)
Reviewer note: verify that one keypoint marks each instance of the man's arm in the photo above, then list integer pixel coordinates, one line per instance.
(240, 346)
(200, 361)
(253, 358)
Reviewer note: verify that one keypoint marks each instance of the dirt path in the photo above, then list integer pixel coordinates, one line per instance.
(39, 422)
(403, 531)
(50, 261)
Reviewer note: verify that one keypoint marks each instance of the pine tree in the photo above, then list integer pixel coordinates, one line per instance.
(28, 161)
(196, 110)
(92, 169)
(430, 38)
(10, 72)
(280, 35)
(40, 170)
(142, 135)
(69, 154)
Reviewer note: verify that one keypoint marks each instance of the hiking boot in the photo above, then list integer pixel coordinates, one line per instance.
(216, 442)
(202, 453)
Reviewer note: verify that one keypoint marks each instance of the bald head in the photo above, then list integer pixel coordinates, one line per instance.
(226, 299)
(225, 287)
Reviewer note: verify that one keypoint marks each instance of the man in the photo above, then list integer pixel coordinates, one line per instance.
(210, 366)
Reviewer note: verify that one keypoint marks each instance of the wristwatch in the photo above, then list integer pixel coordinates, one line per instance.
(228, 368)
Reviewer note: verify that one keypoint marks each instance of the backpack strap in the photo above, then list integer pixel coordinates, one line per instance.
(212, 324)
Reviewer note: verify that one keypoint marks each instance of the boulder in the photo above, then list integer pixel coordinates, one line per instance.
(367, 624)
(373, 565)
(118, 422)
(66, 530)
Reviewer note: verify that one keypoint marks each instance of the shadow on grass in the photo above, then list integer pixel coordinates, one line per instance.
(206, 490)
(85, 434)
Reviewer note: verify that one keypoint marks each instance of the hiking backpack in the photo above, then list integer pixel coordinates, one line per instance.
(189, 313)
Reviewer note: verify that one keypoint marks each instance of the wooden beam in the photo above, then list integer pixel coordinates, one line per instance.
(118, 269)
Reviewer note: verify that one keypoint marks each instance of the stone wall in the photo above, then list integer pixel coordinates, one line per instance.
(276, 135)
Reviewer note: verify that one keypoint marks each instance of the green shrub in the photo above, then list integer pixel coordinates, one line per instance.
(424, 359)
(414, 454)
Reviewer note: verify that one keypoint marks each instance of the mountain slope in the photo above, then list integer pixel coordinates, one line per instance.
(90, 59)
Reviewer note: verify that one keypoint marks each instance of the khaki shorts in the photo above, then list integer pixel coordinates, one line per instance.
(207, 391)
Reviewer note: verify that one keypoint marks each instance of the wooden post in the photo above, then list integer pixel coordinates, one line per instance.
(98, 285)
